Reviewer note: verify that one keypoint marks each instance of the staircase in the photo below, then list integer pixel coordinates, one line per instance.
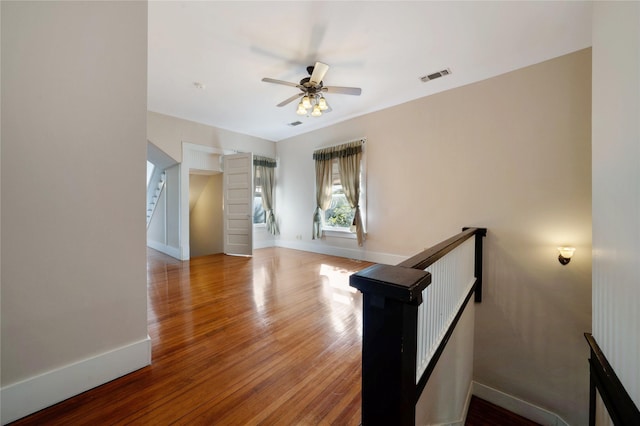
(156, 185)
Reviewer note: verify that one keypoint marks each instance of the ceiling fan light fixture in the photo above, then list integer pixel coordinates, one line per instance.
(322, 103)
(312, 100)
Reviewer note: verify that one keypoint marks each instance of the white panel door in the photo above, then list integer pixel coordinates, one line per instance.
(238, 204)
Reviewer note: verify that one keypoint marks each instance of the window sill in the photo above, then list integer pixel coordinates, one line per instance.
(260, 225)
(339, 233)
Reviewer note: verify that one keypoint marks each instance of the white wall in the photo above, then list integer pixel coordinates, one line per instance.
(616, 187)
(513, 154)
(74, 300)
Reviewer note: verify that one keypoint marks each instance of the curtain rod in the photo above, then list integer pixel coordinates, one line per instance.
(364, 141)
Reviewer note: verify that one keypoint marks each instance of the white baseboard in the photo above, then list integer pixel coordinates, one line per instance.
(163, 248)
(467, 402)
(263, 244)
(518, 406)
(28, 396)
(359, 254)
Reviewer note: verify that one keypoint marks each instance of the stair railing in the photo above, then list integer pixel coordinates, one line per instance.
(156, 185)
(403, 338)
(602, 378)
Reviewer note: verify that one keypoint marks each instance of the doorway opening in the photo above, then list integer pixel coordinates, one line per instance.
(205, 214)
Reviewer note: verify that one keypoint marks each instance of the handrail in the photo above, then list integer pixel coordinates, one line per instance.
(619, 404)
(392, 296)
(429, 256)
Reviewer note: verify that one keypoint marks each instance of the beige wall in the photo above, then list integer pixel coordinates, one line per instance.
(168, 133)
(73, 188)
(513, 154)
(616, 187)
(205, 219)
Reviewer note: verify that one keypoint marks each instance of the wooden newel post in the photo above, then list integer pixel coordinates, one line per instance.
(391, 296)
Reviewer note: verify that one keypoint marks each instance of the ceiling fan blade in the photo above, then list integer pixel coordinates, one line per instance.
(286, 83)
(343, 90)
(319, 70)
(291, 99)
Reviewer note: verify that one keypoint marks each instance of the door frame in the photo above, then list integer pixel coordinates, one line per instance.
(195, 159)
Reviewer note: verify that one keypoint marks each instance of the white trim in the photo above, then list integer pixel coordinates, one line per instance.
(518, 406)
(163, 248)
(38, 392)
(467, 402)
(335, 232)
(263, 244)
(204, 148)
(359, 254)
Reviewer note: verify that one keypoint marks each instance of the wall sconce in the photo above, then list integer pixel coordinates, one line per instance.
(566, 253)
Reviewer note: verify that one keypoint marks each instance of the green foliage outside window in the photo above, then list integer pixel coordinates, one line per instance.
(340, 214)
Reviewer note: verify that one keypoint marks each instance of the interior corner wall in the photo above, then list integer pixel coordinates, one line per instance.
(512, 154)
(205, 220)
(74, 302)
(616, 187)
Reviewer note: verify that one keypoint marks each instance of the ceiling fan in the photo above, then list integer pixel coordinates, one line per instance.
(312, 90)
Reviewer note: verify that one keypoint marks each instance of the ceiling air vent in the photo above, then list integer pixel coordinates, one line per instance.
(295, 123)
(435, 75)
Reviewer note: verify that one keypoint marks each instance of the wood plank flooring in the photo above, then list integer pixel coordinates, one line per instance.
(274, 340)
(484, 413)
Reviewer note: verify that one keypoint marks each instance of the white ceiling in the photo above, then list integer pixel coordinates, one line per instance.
(382, 47)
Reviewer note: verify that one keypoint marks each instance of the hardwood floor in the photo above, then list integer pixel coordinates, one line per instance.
(484, 413)
(273, 339)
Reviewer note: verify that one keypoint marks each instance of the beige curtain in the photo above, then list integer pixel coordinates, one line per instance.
(349, 166)
(349, 156)
(266, 168)
(323, 194)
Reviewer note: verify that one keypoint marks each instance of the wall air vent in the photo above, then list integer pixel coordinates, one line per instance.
(435, 75)
(295, 123)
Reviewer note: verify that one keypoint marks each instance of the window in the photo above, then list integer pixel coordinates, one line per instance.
(263, 200)
(259, 216)
(340, 181)
(339, 216)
